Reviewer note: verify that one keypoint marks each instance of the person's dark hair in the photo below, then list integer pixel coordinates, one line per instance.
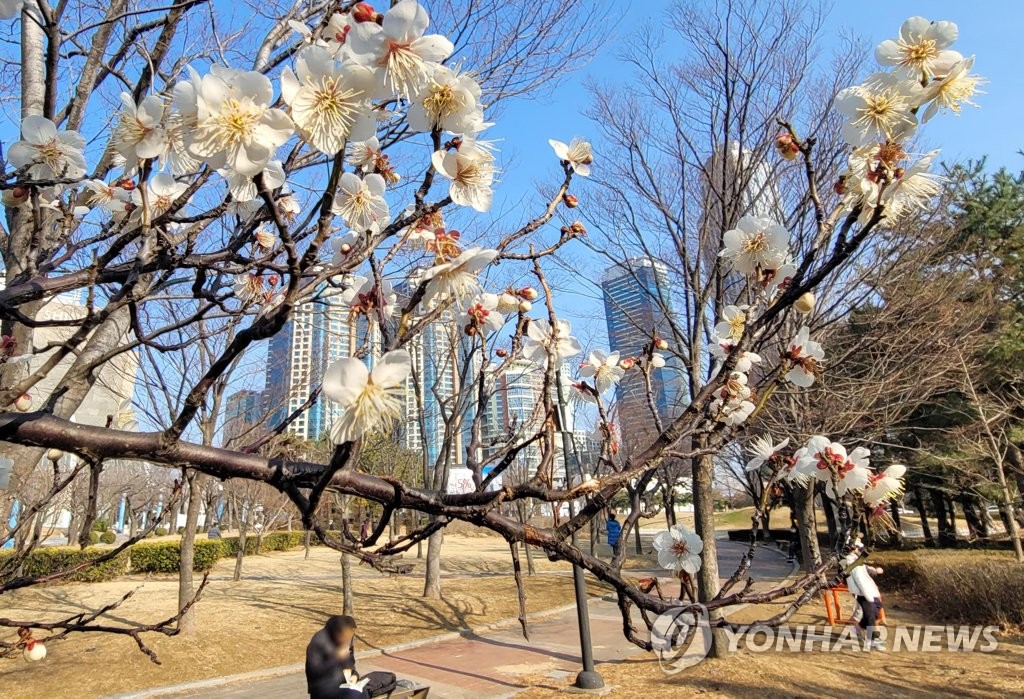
(611, 515)
(336, 624)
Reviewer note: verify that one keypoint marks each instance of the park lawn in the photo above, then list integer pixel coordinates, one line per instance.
(266, 619)
(784, 675)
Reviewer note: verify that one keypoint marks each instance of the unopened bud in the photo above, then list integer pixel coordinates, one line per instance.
(24, 403)
(507, 303)
(273, 279)
(342, 35)
(529, 293)
(627, 363)
(525, 306)
(126, 183)
(577, 228)
(54, 454)
(805, 304)
(34, 651)
(501, 353)
(345, 248)
(840, 186)
(661, 343)
(786, 146)
(364, 12)
(470, 330)
(20, 192)
(571, 201)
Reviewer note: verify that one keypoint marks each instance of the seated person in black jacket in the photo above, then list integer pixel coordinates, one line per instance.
(329, 654)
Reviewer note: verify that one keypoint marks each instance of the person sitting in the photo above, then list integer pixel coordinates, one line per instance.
(214, 532)
(862, 586)
(331, 660)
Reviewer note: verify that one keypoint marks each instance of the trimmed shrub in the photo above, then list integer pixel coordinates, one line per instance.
(969, 587)
(161, 531)
(47, 561)
(100, 525)
(108, 537)
(181, 530)
(94, 537)
(165, 556)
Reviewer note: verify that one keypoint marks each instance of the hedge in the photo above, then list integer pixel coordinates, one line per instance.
(150, 556)
(50, 560)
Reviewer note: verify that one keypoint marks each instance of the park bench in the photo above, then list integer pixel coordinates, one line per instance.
(833, 611)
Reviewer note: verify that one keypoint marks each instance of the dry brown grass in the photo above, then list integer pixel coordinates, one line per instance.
(265, 620)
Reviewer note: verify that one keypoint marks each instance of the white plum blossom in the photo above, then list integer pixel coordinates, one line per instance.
(578, 154)
(248, 287)
(482, 315)
(471, 170)
(604, 368)
(723, 347)
(449, 101)
(398, 49)
(366, 298)
(328, 100)
(457, 279)
(48, 153)
(922, 49)
(181, 125)
(755, 244)
(243, 188)
(880, 109)
(342, 246)
(732, 405)
(734, 321)
(953, 90)
(884, 486)
(161, 192)
(371, 399)
(829, 461)
(544, 342)
(111, 198)
(679, 549)
(364, 154)
(140, 133)
(764, 450)
(807, 356)
(360, 202)
(236, 128)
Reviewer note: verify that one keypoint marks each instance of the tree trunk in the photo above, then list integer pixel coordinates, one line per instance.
(241, 550)
(89, 516)
(638, 544)
(432, 578)
(922, 512)
(346, 584)
(947, 534)
(704, 522)
(807, 526)
(306, 543)
(186, 561)
(830, 519)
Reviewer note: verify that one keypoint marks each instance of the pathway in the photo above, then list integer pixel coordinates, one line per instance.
(484, 665)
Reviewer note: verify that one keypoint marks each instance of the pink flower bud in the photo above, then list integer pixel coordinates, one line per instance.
(529, 293)
(34, 651)
(661, 343)
(364, 12)
(525, 306)
(571, 201)
(627, 363)
(273, 279)
(24, 403)
(345, 248)
(20, 192)
(501, 353)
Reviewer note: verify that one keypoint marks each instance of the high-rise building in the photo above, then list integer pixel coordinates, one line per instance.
(244, 415)
(638, 304)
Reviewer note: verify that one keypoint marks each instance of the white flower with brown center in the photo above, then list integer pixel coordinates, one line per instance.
(806, 356)
(161, 193)
(578, 154)
(544, 342)
(236, 127)
(329, 101)
(371, 399)
(734, 321)
(471, 170)
(679, 549)
(457, 280)
(884, 486)
(954, 90)
(922, 49)
(360, 202)
(755, 244)
(398, 49)
(764, 451)
(448, 101)
(46, 152)
(140, 133)
(879, 110)
(604, 368)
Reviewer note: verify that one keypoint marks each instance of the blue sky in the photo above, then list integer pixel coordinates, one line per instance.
(989, 29)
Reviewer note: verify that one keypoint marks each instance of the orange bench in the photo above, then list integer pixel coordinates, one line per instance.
(833, 610)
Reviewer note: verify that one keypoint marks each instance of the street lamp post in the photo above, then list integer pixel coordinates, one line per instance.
(588, 678)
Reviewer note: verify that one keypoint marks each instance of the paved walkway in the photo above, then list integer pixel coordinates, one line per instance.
(491, 664)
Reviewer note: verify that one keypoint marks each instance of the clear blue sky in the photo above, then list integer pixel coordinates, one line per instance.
(988, 28)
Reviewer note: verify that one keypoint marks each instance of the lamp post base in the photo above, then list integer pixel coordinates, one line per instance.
(589, 679)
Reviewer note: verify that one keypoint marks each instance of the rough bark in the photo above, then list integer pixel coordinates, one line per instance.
(704, 523)
(187, 622)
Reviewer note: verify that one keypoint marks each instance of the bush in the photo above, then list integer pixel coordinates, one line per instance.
(100, 525)
(968, 587)
(47, 561)
(94, 537)
(160, 531)
(165, 556)
(181, 530)
(108, 537)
